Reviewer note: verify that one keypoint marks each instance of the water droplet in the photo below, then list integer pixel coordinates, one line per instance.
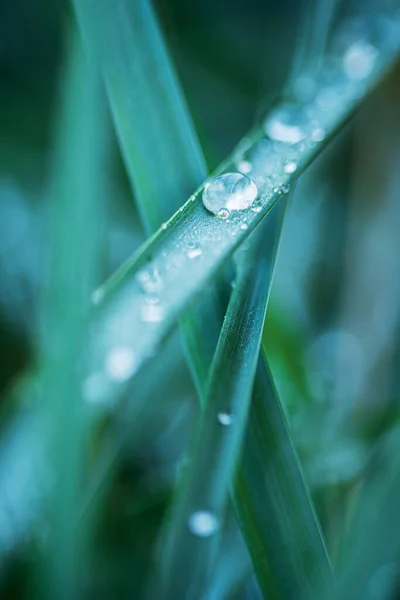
(359, 60)
(203, 523)
(224, 213)
(152, 313)
(290, 166)
(150, 280)
(318, 134)
(194, 253)
(225, 418)
(164, 226)
(256, 207)
(120, 363)
(287, 124)
(151, 299)
(244, 166)
(233, 191)
(244, 226)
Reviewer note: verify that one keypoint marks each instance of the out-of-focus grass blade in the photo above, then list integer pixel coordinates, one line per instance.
(369, 563)
(76, 212)
(166, 265)
(191, 538)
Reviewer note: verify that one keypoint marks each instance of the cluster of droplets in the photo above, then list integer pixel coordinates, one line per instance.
(151, 283)
(295, 127)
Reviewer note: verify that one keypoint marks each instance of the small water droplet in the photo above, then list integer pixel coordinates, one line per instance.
(244, 166)
(233, 191)
(225, 418)
(120, 363)
(203, 523)
(359, 60)
(244, 226)
(256, 207)
(152, 313)
(318, 134)
(287, 124)
(150, 280)
(224, 213)
(290, 166)
(151, 299)
(164, 226)
(194, 253)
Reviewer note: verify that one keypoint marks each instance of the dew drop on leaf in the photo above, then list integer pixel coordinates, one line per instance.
(232, 191)
(359, 60)
(203, 523)
(225, 418)
(120, 363)
(287, 124)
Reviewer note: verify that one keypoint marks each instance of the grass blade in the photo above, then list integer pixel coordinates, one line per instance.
(150, 113)
(277, 516)
(165, 261)
(75, 192)
(199, 508)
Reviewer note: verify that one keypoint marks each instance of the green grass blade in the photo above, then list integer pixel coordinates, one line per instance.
(164, 261)
(150, 113)
(369, 563)
(163, 157)
(190, 544)
(76, 193)
(273, 503)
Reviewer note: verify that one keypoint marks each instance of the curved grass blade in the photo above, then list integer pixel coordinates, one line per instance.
(191, 539)
(76, 192)
(164, 262)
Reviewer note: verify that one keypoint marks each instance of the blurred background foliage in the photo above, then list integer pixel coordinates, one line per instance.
(332, 329)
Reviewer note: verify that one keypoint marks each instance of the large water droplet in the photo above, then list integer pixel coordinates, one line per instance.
(203, 523)
(287, 124)
(359, 60)
(232, 191)
(120, 363)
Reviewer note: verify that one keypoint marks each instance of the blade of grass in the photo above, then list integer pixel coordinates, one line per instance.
(287, 547)
(191, 539)
(371, 569)
(163, 259)
(76, 192)
(163, 156)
